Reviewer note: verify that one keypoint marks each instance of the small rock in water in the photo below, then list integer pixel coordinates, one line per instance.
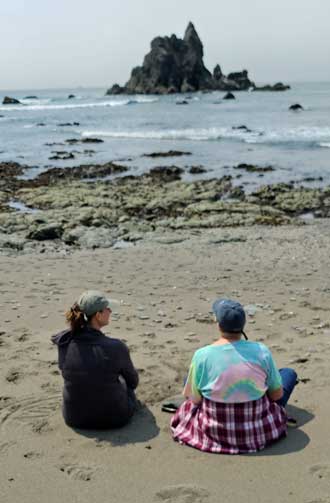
(10, 101)
(242, 128)
(229, 96)
(296, 107)
(92, 140)
(196, 170)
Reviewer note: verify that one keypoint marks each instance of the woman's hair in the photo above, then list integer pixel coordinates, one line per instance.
(76, 318)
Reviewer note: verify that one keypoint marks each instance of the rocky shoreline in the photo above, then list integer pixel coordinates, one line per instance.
(81, 208)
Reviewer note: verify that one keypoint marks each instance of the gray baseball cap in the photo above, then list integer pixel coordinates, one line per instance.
(229, 314)
(92, 301)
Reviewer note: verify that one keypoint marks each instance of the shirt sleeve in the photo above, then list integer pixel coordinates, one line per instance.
(127, 369)
(274, 380)
(191, 388)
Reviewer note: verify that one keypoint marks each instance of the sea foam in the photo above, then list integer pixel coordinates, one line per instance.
(49, 106)
(198, 134)
(275, 136)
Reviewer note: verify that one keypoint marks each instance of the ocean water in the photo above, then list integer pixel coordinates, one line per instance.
(295, 144)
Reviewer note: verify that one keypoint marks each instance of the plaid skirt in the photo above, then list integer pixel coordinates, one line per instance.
(229, 428)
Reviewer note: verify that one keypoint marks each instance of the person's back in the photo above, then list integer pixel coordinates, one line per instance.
(99, 378)
(235, 393)
(232, 373)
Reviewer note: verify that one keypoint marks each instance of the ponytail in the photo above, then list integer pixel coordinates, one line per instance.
(76, 318)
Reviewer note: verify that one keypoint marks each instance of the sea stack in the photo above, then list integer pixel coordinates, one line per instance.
(176, 65)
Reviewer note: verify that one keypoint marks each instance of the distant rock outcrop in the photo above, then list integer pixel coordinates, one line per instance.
(296, 107)
(172, 66)
(176, 65)
(10, 101)
(276, 87)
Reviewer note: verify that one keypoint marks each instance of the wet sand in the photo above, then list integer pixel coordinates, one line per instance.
(165, 287)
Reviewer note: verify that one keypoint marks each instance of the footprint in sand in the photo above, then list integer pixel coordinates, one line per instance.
(33, 411)
(320, 471)
(5, 447)
(183, 494)
(13, 375)
(32, 455)
(78, 472)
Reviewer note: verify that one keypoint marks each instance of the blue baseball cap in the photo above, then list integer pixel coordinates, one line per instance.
(229, 314)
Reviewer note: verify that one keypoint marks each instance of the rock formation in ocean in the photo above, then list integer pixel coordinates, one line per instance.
(176, 65)
(276, 87)
(10, 101)
(229, 96)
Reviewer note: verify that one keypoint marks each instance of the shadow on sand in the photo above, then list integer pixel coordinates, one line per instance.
(141, 428)
(296, 440)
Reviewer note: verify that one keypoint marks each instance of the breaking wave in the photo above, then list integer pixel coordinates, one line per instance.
(47, 105)
(281, 136)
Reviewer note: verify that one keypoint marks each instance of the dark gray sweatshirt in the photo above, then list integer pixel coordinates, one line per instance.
(91, 364)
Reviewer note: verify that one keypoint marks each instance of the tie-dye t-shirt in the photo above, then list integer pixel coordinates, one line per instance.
(238, 372)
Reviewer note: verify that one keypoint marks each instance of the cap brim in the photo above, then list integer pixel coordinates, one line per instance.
(113, 304)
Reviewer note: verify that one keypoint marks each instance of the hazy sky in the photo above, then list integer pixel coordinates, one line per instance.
(69, 43)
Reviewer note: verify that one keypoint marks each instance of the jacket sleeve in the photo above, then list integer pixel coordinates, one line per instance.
(127, 369)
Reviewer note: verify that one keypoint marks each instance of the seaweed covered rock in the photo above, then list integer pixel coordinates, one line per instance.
(45, 232)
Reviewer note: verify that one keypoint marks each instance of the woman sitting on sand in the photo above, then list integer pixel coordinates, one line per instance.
(235, 393)
(99, 377)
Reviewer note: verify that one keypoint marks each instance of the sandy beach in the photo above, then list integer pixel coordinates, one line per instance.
(165, 286)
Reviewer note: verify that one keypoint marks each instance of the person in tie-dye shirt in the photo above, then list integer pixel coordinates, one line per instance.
(232, 370)
(235, 393)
